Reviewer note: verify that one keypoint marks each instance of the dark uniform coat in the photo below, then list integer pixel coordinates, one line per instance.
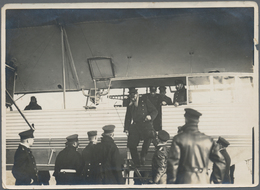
(166, 99)
(33, 106)
(180, 96)
(24, 169)
(139, 129)
(88, 156)
(68, 158)
(159, 165)
(227, 179)
(227, 170)
(109, 163)
(156, 100)
(189, 157)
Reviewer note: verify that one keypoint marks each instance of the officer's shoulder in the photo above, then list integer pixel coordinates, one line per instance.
(22, 148)
(206, 137)
(179, 136)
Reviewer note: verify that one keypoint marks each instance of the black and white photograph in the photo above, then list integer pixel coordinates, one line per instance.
(130, 95)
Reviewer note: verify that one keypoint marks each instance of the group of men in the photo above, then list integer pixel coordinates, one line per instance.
(99, 163)
(185, 162)
(143, 117)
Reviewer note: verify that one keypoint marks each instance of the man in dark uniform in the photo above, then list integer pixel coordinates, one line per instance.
(190, 153)
(165, 100)
(108, 163)
(33, 105)
(68, 164)
(155, 99)
(24, 169)
(180, 96)
(223, 144)
(159, 161)
(89, 155)
(138, 126)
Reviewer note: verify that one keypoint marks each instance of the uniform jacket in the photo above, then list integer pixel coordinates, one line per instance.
(166, 99)
(68, 158)
(227, 178)
(138, 114)
(180, 96)
(108, 158)
(189, 157)
(227, 169)
(159, 164)
(88, 156)
(156, 101)
(24, 168)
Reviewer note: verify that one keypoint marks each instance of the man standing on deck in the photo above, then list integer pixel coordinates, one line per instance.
(159, 160)
(180, 96)
(190, 153)
(165, 100)
(138, 126)
(223, 144)
(107, 164)
(155, 99)
(33, 105)
(68, 164)
(24, 169)
(89, 155)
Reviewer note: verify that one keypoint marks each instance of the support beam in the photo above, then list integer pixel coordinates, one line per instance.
(63, 67)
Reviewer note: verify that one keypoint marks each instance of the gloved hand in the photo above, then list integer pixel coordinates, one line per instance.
(148, 118)
(127, 132)
(164, 103)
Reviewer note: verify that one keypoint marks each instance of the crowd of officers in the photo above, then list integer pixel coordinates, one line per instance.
(185, 162)
(99, 163)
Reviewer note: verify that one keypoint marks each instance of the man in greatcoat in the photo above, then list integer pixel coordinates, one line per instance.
(180, 96)
(89, 155)
(155, 99)
(24, 169)
(223, 144)
(68, 164)
(108, 164)
(190, 153)
(138, 126)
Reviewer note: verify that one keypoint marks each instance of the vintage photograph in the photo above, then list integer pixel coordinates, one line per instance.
(140, 95)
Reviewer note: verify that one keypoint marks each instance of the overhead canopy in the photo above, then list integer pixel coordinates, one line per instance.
(142, 43)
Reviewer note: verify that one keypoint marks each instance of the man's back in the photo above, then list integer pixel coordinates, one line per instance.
(89, 155)
(109, 158)
(191, 150)
(68, 159)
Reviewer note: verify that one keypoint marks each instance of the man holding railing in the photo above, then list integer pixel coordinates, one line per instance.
(180, 96)
(138, 126)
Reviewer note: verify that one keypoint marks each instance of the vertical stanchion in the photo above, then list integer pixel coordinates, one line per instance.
(253, 155)
(63, 68)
